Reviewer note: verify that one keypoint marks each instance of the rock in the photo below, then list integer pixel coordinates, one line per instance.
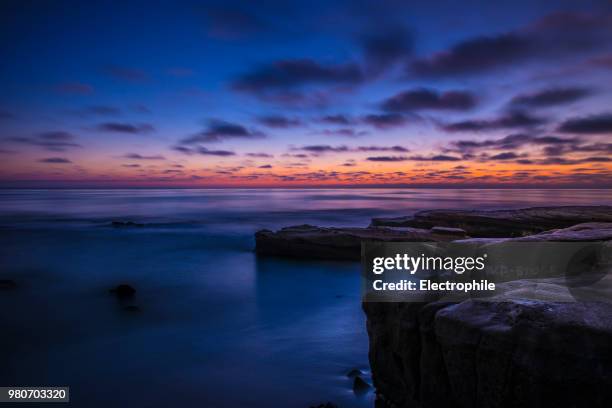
(126, 224)
(529, 346)
(7, 284)
(306, 241)
(502, 223)
(327, 405)
(360, 386)
(123, 291)
(457, 232)
(354, 373)
(587, 232)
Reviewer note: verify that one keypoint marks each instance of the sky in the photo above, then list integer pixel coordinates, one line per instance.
(306, 93)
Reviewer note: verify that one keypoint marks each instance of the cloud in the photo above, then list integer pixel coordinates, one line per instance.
(388, 158)
(125, 73)
(265, 166)
(101, 110)
(55, 160)
(5, 115)
(117, 127)
(203, 151)
(398, 149)
(323, 149)
(288, 74)
(56, 141)
(130, 165)
(137, 156)
(424, 98)
(231, 23)
(550, 97)
(259, 155)
(435, 158)
(506, 121)
(277, 121)
(74, 88)
(343, 149)
(386, 45)
(385, 120)
(505, 156)
(594, 124)
(219, 130)
(511, 142)
(347, 132)
(336, 120)
(554, 36)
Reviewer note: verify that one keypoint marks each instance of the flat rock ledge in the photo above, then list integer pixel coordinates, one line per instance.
(502, 223)
(531, 346)
(307, 241)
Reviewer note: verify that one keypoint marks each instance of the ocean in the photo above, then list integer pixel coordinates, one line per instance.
(217, 325)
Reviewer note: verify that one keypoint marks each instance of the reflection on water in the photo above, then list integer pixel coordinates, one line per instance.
(218, 326)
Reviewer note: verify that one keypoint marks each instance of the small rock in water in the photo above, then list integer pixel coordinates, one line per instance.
(123, 291)
(7, 284)
(327, 405)
(355, 372)
(360, 386)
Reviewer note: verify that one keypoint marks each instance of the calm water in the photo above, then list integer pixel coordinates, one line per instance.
(218, 326)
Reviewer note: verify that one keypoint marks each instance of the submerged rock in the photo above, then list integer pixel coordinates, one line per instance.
(327, 405)
(307, 241)
(123, 291)
(502, 223)
(7, 284)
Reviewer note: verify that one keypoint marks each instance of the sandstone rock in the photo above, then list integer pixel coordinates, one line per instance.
(529, 346)
(502, 223)
(587, 232)
(306, 241)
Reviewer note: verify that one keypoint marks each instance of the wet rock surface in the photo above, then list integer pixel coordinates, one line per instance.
(307, 241)
(502, 223)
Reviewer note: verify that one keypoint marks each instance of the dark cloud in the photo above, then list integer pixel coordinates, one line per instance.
(424, 98)
(230, 23)
(137, 156)
(265, 166)
(125, 73)
(554, 36)
(101, 110)
(594, 124)
(56, 141)
(347, 132)
(383, 46)
(74, 88)
(323, 149)
(385, 120)
(131, 165)
(336, 120)
(505, 156)
(203, 151)
(388, 158)
(219, 130)
(260, 155)
(435, 158)
(278, 121)
(506, 121)
(55, 160)
(398, 149)
(117, 127)
(511, 142)
(287, 74)
(550, 97)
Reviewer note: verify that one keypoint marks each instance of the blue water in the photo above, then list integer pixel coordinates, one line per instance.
(218, 326)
